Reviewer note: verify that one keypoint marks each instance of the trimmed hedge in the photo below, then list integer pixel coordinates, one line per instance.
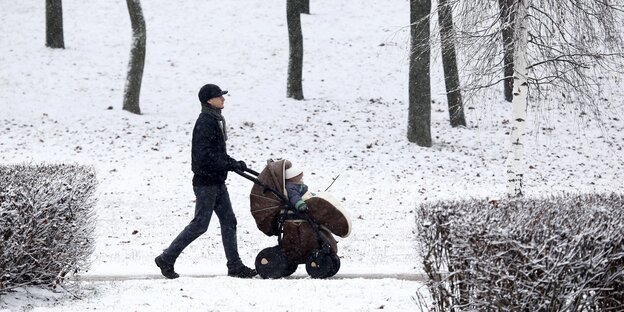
(46, 223)
(562, 253)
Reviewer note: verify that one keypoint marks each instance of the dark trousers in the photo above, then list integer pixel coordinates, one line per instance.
(208, 199)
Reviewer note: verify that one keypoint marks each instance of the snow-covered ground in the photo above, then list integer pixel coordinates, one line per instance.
(65, 106)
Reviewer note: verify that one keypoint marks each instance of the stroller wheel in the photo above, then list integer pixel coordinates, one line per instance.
(292, 267)
(336, 264)
(322, 265)
(271, 263)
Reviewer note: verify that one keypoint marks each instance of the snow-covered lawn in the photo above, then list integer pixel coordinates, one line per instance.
(54, 107)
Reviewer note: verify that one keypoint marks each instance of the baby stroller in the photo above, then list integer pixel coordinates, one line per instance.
(302, 237)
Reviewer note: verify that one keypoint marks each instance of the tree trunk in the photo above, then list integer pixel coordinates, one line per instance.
(507, 17)
(54, 24)
(137, 58)
(419, 115)
(294, 87)
(449, 63)
(305, 6)
(516, 161)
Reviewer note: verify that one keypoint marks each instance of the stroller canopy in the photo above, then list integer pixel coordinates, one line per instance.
(266, 205)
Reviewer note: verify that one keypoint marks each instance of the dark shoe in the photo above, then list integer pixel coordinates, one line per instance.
(166, 268)
(242, 272)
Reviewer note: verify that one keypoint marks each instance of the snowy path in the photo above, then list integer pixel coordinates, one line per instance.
(373, 276)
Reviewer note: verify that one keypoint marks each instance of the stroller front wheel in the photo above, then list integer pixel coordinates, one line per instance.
(322, 265)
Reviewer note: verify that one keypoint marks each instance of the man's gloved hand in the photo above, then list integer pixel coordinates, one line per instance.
(241, 165)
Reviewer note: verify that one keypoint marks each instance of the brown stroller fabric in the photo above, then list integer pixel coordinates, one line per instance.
(327, 212)
(265, 205)
(299, 240)
(298, 237)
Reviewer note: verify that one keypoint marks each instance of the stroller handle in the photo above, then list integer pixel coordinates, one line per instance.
(244, 174)
(252, 172)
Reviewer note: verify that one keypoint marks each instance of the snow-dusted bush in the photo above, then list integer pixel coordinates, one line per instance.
(46, 222)
(562, 253)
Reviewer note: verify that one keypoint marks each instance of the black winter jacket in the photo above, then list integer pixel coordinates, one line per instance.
(209, 160)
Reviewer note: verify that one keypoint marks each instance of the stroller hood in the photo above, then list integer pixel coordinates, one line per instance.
(265, 205)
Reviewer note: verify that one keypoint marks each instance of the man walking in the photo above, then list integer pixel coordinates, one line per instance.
(210, 164)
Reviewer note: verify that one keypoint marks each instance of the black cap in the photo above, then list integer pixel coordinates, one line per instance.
(208, 92)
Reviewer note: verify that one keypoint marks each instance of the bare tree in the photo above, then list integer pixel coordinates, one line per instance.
(571, 45)
(294, 87)
(419, 115)
(572, 48)
(54, 24)
(305, 6)
(449, 63)
(137, 58)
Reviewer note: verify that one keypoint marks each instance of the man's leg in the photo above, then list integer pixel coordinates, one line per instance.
(205, 197)
(227, 220)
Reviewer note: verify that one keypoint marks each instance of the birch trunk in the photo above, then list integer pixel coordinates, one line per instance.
(516, 161)
(137, 58)
(507, 16)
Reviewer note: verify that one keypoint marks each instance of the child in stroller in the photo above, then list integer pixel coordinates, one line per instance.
(295, 188)
(302, 221)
